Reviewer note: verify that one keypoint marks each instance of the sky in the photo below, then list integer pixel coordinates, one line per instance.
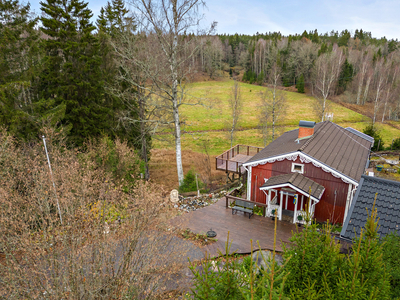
(381, 17)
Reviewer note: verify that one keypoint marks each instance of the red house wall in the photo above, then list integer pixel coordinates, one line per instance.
(330, 206)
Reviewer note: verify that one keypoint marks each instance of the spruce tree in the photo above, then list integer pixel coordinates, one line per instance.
(18, 66)
(72, 75)
(346, 76)
(300, 84)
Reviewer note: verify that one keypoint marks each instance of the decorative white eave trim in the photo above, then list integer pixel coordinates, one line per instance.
(304, 158)
(293, 187)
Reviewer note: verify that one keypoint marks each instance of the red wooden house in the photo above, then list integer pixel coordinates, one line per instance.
(322, 162)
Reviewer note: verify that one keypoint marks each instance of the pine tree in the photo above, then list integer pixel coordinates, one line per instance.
(72, 75)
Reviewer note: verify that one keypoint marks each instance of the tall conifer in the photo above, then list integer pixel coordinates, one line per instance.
(72, 75)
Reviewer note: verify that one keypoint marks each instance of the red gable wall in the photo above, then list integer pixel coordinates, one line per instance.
(330, 206)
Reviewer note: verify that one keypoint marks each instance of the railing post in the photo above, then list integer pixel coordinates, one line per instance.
(248, 150)
(216, 163)
(238, 149)
(226, 165)
(226, 199)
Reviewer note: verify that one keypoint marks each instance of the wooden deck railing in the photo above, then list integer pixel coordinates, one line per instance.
(230, 198)
(226, 161)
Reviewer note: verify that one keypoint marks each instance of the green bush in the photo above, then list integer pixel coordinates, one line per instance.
(189, 182)
(396, 144)
(373, 132)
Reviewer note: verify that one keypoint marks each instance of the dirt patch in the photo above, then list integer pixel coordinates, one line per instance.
(163, 168)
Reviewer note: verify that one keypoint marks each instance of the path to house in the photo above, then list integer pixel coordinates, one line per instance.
(241, 229)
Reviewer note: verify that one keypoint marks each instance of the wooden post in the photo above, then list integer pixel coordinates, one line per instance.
(226, 198)
(248, 150)
(226, 165)
(379, 143)
(238, 149)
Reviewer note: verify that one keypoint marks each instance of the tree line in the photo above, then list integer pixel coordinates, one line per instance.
(363, 68)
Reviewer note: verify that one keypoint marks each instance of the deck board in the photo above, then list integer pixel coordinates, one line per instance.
(241, 229)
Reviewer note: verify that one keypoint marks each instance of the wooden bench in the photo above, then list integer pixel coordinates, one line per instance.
(243, 206)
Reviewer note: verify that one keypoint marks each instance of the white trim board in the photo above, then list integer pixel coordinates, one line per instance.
(304, 158)
(293, 187)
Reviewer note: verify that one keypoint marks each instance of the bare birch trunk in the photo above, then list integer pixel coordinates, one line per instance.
(365, 96)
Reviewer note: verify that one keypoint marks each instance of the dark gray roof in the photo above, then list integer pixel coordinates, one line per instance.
(296, 179)
(387, 205)
(332, 145)
(360, 134)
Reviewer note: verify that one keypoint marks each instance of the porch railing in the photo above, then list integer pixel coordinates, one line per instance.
(226, 161)
(231, 198)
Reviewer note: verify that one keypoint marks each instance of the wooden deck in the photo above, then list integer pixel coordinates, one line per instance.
(241, 229)
(232, 159)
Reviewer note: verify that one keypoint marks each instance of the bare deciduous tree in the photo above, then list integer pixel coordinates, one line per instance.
(136, 64)
(325, 75)
(235, 106)
(170, 21)
(380, 78)
(273, 103)
(393, 70)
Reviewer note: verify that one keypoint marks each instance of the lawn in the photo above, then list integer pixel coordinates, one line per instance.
(208, 122)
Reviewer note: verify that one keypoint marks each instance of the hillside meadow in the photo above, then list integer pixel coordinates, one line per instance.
(207, 124)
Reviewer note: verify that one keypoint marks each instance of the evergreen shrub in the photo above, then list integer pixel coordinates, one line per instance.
(189, 182)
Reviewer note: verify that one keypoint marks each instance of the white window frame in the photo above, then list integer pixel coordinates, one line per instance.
(296, 165)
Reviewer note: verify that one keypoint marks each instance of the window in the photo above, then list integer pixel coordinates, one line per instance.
(298, 168)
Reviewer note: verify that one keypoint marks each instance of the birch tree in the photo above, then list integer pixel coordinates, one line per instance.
(273, 103)
(393, 70)
(235, 105)
(170, 21)
(379, 86)
(325, 75)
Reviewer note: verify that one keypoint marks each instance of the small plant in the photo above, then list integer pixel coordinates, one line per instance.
(300, 218)
(189, 182)
(258, 210)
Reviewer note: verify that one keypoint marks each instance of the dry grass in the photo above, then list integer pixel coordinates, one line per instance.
(163, 167)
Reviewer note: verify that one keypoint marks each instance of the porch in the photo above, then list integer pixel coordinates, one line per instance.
(292, 194)
(232, 159)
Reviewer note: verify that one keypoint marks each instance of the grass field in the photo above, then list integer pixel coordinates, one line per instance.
(207, 123)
